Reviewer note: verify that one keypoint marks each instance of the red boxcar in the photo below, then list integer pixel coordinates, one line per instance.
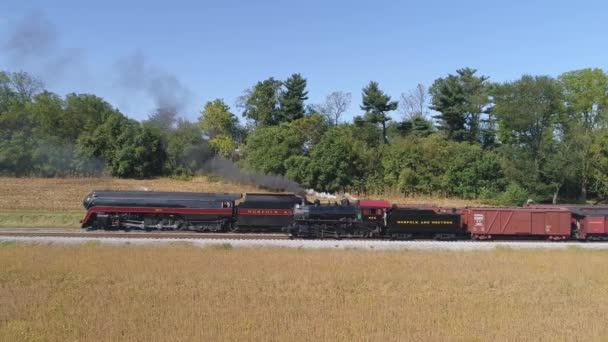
(589, 221)
(591, 225)
(485, 223)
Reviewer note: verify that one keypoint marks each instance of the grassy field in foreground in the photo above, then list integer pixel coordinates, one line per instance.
(40, 219)
(103, 293)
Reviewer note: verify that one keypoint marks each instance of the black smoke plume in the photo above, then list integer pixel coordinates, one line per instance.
(229, 170)
(34, 43)
(137, 74)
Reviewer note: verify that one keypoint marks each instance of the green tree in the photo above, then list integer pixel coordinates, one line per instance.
(107, 139)
(223, 146)
(16, 154)
(461, 100)
(216, 119)
(297, 169)
(163, 119)
(292, 99)
(7, 93)
(308, 130)
(24, 86)
(140, 153)
(261, 104)
(416, 125)
(85, 112)
(48, 114)
(187, 151)
(586, 95)
(434, 165)
(334, 164)
(268, 147)
(376, 105)
(530, 118)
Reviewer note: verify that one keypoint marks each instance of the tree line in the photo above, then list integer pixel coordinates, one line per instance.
(536, 137)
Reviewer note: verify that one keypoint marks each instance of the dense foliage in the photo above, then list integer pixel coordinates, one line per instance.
(536, 137)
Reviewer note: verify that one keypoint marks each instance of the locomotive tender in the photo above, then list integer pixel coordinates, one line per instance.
(268, 212)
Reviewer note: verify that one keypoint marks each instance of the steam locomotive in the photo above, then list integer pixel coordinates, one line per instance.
(292, 214)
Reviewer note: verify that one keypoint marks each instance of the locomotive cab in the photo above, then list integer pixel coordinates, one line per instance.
(373, 213)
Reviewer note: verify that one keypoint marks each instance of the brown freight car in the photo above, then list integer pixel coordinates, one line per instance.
(590, 222)
(487, 223)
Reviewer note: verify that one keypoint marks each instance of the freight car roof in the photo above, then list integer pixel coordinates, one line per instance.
(520, 209)
(589, 211)
(569, 206)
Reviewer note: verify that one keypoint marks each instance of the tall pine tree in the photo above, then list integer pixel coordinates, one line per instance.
(292, 99)
(376, 105)
(461, 101)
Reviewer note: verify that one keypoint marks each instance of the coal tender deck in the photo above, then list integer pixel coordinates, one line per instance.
(266, 212)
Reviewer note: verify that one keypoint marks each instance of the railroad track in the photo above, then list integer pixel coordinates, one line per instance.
(73, 236)
(77, 233)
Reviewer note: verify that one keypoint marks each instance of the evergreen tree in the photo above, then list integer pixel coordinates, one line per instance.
(292, 99)
(461, 100)
(376, 105)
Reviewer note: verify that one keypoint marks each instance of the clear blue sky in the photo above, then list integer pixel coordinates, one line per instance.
(216, 49)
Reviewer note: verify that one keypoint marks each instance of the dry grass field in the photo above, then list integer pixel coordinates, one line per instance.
(57, 202)
(179, 293)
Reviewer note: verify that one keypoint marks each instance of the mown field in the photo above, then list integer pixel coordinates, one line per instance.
(57, 202)
(103, 293)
